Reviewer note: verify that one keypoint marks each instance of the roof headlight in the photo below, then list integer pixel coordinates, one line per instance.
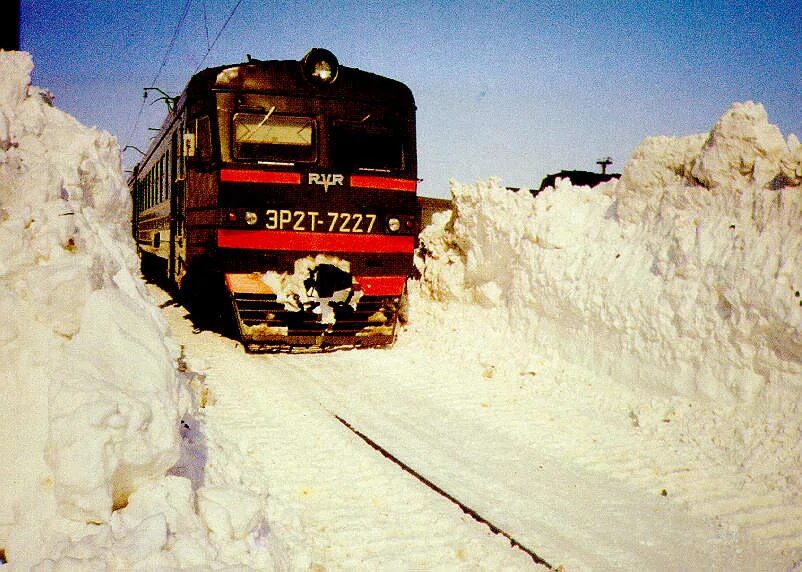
(321, 66)
(250, 218)
(322, 71)
(393, 224)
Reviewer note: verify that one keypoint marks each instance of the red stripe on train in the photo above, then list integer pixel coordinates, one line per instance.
(254, 176)
(314, 241)
(384, 183)
(370, 285)
(284, 177)
(381, 285)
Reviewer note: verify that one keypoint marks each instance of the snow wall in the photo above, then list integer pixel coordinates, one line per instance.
(92, 408)
(684, 277)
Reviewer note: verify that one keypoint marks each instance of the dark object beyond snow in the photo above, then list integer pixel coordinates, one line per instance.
(326, 279)
(577, 178)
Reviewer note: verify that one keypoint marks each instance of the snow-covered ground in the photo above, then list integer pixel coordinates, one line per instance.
(607, 378)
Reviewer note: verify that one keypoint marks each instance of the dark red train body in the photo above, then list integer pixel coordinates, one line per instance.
(264, 173)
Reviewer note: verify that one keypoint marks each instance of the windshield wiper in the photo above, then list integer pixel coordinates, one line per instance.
(261, 123)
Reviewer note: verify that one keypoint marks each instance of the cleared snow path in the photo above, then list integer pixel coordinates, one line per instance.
(455, 427)
(352, 507)
(547, 455)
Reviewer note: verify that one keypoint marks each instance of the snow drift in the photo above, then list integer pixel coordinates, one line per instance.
(683, 278)
(684, 274)
(93, 402)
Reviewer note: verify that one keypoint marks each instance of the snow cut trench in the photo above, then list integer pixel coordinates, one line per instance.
(612, 376)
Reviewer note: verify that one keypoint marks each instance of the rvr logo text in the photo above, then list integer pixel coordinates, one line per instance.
(325, 179)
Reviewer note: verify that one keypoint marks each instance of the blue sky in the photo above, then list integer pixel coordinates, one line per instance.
(510, 89)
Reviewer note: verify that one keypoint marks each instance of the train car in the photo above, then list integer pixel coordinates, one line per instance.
(294, 184)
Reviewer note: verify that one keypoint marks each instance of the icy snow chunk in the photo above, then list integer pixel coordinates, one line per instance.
(172, 500)
(230, 513)
(15, 69)
(489, 294)
(439, 261)
(742, 143)
(657, 165)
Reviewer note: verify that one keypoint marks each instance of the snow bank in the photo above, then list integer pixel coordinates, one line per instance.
(683, 278)
(93, 404)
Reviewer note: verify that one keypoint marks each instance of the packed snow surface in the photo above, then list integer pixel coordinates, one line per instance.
(609, 376)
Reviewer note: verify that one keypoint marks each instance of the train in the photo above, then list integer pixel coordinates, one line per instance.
(291, 185)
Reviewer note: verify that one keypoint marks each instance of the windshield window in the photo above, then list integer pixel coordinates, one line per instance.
(362, 148)
(270, 137)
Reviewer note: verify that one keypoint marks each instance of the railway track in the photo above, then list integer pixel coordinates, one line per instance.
(463, 507)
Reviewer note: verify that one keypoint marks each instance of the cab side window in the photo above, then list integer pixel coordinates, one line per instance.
(203, 138)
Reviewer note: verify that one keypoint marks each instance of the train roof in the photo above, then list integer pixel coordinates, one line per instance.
(289, 77)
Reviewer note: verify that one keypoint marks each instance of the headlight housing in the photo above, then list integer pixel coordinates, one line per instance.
(320, 66)
(401, 224)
